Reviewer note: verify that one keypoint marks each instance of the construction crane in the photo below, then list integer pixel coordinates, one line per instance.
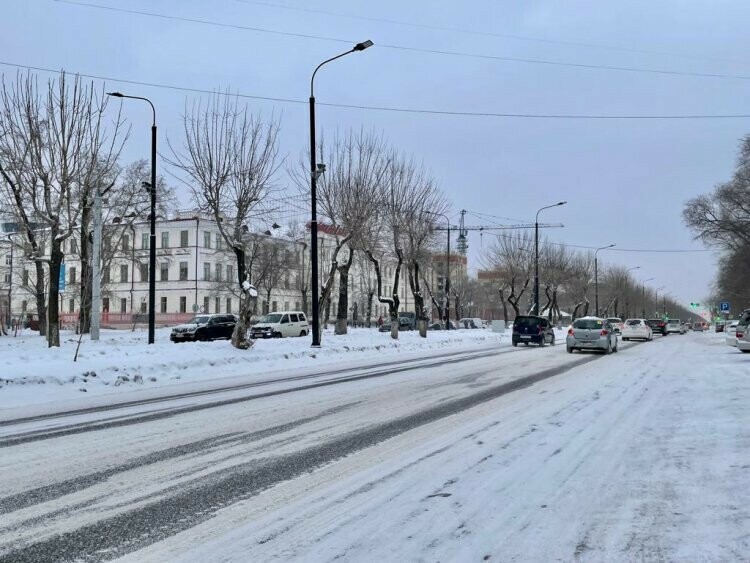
(463, 230)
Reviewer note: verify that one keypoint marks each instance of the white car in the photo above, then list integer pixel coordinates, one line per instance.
(636, 329)
(731, 333)
(281, 324)
(470, 322)
(616, 323)
(675, 326)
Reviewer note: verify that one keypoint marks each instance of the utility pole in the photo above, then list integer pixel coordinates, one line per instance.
(96, 292)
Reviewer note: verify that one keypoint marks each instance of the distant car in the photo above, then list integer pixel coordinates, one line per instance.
(720, 326)
(699, 326)
(743, 332)
(281, 324)
(674, 326)
(532, 330)
(591, 333)
(731, 333)
(637, 329)
(407, 320)
(470, 323)
(204, 327)
(616, 323)
(439, 326)
(658, 326)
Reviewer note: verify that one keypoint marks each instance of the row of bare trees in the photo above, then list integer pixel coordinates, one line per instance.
(721, 220)
(566, 282)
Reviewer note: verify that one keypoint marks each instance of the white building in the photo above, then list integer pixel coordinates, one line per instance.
(195, 272)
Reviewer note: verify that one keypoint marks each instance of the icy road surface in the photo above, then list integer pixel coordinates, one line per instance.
(500, 455)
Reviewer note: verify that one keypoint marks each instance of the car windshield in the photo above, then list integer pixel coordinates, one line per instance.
(634, 322)
(272, 318)
(200, 320)
(674, 321)
(614, 320)
(591, 324)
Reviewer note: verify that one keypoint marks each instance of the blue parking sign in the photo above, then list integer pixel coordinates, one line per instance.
(724, 306)
(61, 283)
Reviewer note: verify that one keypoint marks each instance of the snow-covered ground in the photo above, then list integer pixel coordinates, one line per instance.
(121, 361)
(640, 455)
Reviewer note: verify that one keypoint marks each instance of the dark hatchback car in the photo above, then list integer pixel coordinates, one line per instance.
(658, 326)
(533, 330)
(204, 327)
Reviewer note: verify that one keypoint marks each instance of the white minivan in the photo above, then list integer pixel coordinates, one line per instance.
(281, 324)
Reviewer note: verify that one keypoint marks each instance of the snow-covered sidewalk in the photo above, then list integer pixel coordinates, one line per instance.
(31, 373)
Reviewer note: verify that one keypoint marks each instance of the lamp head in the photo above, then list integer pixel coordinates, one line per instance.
(562, 203)
(362, 46)
(115, 94)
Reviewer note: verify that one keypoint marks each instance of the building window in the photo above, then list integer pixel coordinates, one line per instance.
(72, 275)
(163, 304)
(274, 305)
(183, 271)
(144, 271)
(217, 305)
(105, 305)
(230, 272)
(25, 277)
(164, 274)
(286, 305)
(71, 305)
(229, 304)
(125, 242)
(144, 240)
(165, 239)
(219, 243)
(205, 305)
(107, 274)
(123, 305)
(124, 273)
(24, 305)
(73, 246)
(217, 270)
(183, 304)
(184, 240)
(144, 308)
(206, 271)
(296, 305)
(7, 277)
(207, 239)
(7, 260)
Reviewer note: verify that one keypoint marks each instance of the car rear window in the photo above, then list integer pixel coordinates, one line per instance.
(588, 324)
(526, 322)
(634, 322)
(614, 320)
(674, 322)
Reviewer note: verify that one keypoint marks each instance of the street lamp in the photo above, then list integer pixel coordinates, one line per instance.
(447, 269)
(643, 296)
(152, 238)
(315, 171)
(536, 254)
(656, 299)
(596, 277)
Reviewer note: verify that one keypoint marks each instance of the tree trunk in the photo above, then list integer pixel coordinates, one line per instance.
(342, 312)
(239, 336)
(416, 292)
(39, 294)
(548, 305)
(53, 295)
(86, 270)
(393, 302)
(370, 295)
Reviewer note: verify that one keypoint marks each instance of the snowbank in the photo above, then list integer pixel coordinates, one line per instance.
(32, 373)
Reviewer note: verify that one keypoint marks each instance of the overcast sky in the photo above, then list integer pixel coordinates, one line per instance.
(625, 180)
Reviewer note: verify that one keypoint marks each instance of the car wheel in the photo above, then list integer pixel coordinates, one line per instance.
(626, 339)
(277, 335)
(542, 342)
(302, 333)
(515, 344)
(569, 349)
(744, 351)
(525, 343)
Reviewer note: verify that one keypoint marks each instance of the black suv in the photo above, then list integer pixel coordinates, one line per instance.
(658, 326)
(204, 327)
(533, 330)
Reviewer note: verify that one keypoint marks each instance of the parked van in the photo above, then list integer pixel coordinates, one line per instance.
(281, 324)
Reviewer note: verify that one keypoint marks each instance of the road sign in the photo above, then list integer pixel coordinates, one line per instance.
(724, 306)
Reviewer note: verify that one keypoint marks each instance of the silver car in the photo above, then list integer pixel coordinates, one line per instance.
(591, 333)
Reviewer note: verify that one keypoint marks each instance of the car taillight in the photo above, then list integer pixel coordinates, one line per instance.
(739, 334)
(605, 332)
(570, 332)
(540, 330)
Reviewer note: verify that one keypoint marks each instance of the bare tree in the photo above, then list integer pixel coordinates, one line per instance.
(511, 257)
(347, 201)
(55, 150)
(230, 158)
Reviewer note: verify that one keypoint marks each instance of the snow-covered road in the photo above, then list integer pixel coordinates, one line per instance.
(507, 454)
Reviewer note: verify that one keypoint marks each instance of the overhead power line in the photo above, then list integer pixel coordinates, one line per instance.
(412, 49)
(585, 247)
(467, 31)
(382, 108)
